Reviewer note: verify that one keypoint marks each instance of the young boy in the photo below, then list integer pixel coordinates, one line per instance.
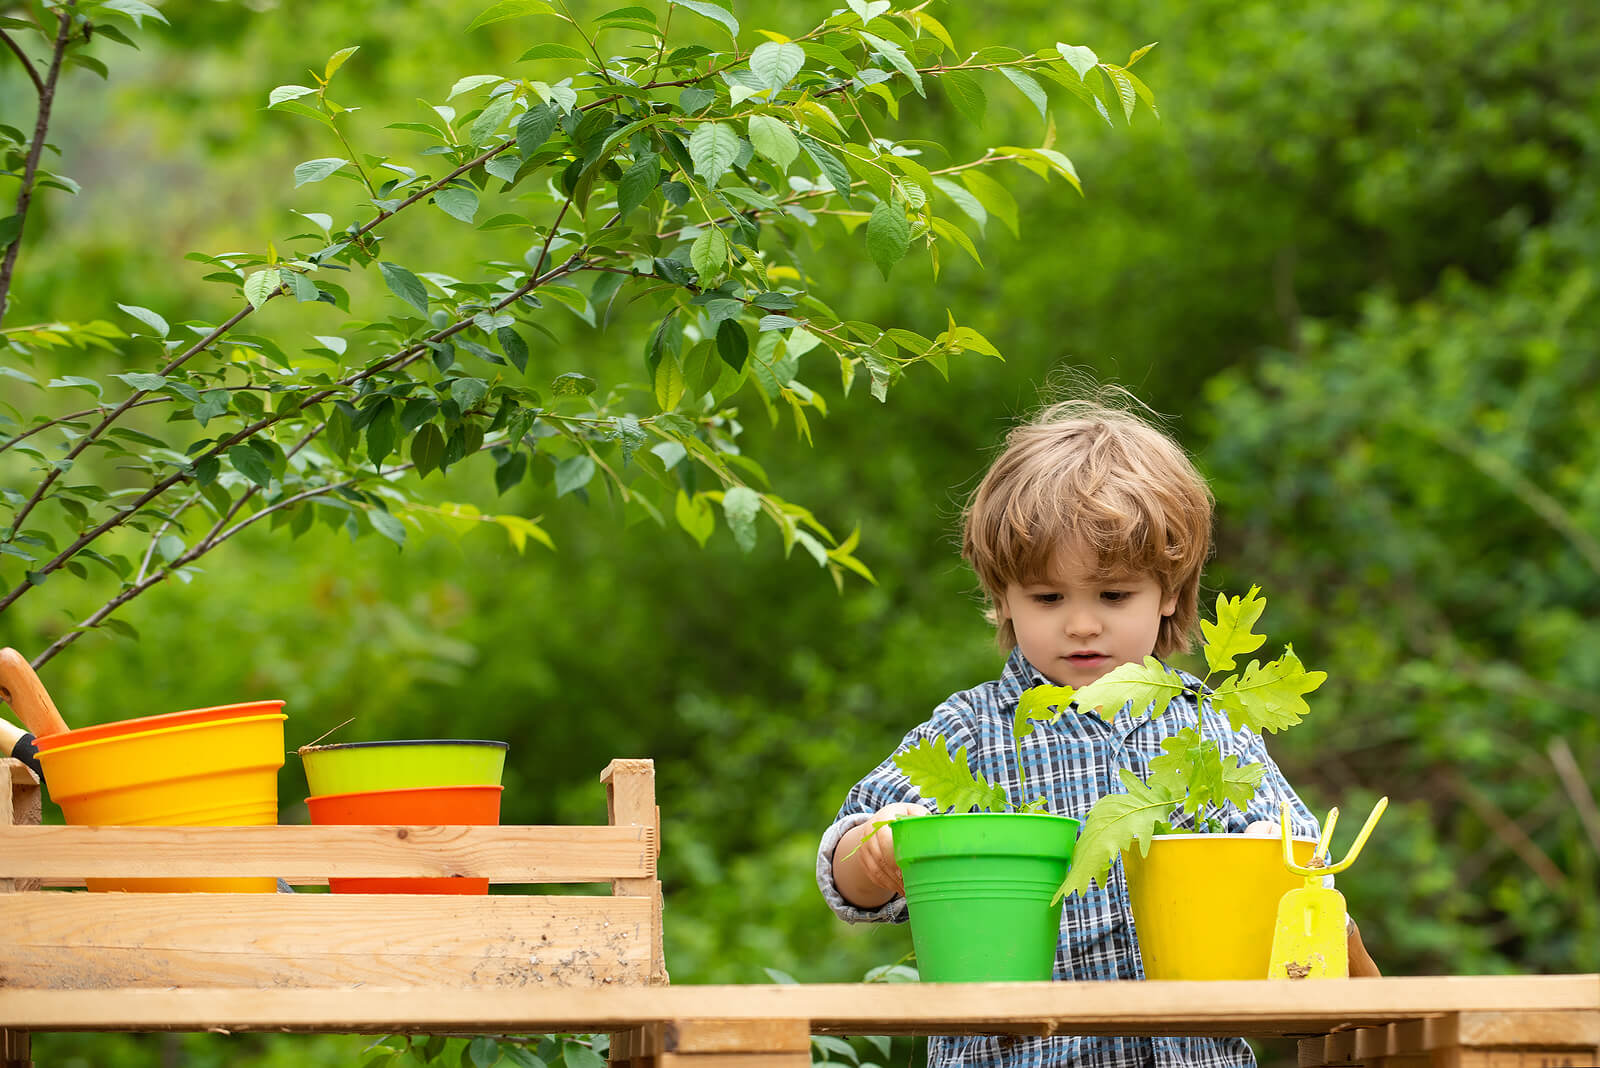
(1088, 535)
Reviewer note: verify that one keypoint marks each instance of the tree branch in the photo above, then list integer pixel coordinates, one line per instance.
(41, 126)
(27, 64)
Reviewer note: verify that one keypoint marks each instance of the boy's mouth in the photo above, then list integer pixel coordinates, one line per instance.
(1088, 657)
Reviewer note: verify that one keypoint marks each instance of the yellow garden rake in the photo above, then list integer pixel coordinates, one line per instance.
(1310, 940)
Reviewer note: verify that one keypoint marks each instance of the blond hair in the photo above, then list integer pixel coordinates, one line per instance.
(1086, 473)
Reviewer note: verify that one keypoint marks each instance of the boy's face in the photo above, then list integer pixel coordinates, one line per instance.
(1076, 625)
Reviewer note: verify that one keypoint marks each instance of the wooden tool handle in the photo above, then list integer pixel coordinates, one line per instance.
(22, 690)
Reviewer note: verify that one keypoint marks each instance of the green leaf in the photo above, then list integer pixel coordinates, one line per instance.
(489, 119)
(135, 10)
(337, 60)
(510, 9)
(551, 51)
(142, 382)
(964, 200)
(457, 201)
(947, 780)
(170, 547)
(381, 432)
(148, 318)
(484, 1051)
(833, 170)
(711, 11)
(573, 384)
(777, 63)
(695, 515)
(965, 93)
(1030, 88)
(709, 255)
(261, 285)
(897, 59)
(1116, 822)
(387, 525)
(427, 449)
(741, 505)
(315, 170)
(405, 285)
(772, 139)
(1193, 768)
(578, 1055)
(1036, 704)
(1081, 59)
(713, 147)
(288, 92)
(1232, 634)
(534, 128)
(249, 463)
(733, 344)
(638, 182)
(79, 382)
(522, 1057)
(1268, 697)
(573, 473)
(468, 392)
(993, 196)
(1125, 92)
(1146, 684)
(888, 236)
(668, 382)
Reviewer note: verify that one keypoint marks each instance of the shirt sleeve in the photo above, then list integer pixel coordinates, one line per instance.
(885, 785)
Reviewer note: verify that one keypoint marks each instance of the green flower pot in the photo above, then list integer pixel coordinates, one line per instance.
(978, 888)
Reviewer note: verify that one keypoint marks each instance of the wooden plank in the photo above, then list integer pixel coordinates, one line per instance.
(1127, 1007)
(71, 942)
(21, 804)
(308, 854)
(631, 802)
(733, 1060)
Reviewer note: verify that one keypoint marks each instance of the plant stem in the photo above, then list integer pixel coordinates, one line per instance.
(41, 126)
(27, 64)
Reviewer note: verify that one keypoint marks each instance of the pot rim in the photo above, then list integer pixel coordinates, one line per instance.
(304, 749)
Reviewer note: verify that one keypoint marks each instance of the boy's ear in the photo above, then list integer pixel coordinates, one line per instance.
(1001, 614)
(1170, 605)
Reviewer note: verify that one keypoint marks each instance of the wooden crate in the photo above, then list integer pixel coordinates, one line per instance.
(64, 939)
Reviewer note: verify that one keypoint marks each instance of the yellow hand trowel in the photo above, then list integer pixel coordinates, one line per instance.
(1309, 941)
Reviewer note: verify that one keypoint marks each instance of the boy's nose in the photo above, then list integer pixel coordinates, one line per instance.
(1083, 624)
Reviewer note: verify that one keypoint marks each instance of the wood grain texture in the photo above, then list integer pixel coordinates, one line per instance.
(1259, 1007)
(70, 942)
(308, 855)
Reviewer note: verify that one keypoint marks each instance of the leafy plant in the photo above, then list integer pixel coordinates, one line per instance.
(664, 181)
(1191, 777)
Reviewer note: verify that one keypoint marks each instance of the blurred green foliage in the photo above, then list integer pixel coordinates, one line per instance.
(1355, 260)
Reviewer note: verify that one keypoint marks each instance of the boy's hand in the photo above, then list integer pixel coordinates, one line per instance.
(1362, 966)
(864, 868)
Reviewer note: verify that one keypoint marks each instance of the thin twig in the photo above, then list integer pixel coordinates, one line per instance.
(116, 413)
(1577, 788)
(27, 64)
(41, 126)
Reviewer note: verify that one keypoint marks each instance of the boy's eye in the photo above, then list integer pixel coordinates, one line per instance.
(1115, 595)
(1046, 598)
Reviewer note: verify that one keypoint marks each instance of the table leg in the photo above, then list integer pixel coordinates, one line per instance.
(715, 1044)
(1464, 1040)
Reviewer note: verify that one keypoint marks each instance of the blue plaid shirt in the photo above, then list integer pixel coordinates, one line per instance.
(1072, 762)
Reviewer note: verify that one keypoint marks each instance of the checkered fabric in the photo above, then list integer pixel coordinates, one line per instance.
(1072, 763)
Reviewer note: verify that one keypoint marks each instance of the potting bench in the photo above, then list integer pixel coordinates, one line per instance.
(453, 970)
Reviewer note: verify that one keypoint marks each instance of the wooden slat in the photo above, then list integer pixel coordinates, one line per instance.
(631, 801)
(309, 854)
(65, 942)
(1126, 1007)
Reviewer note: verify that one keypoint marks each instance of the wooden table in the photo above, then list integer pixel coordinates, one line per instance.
(1426, 1022)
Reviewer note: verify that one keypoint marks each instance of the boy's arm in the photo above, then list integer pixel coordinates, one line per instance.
(1362, 966)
